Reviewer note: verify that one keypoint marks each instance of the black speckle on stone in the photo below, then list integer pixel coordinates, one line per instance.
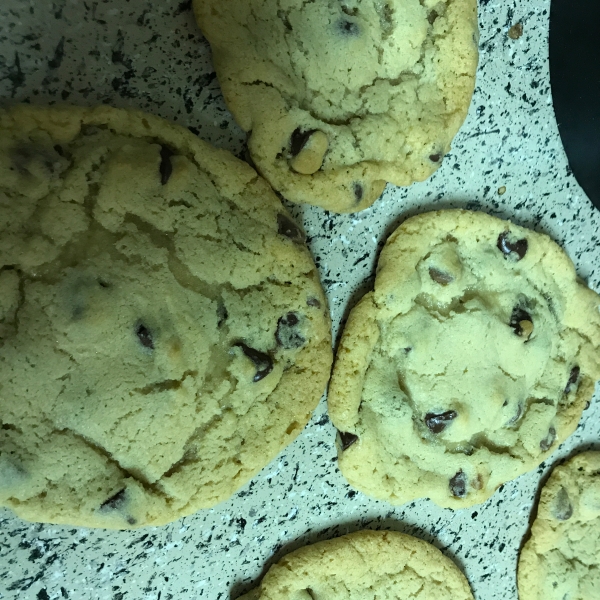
(183, 7)
(241, 523)
(35, 554)
(42, 595)
(59, 53)
(15, 75)
(64, 593)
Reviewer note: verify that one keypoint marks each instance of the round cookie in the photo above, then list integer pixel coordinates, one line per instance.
(367, 565)
(471, 360)
(561, 559)
(341, 97)
(163, 331)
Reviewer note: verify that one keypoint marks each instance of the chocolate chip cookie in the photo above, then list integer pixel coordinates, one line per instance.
(341, 97)
(365, 565)
(471, 360)
(561, 559)
(163, 332)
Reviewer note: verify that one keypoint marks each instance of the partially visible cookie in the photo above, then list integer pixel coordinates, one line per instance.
(561, 559)
(367, 565)
(163, 332)
(341, 97)
(468, 364)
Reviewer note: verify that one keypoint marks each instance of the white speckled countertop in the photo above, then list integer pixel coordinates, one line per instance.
(150, 55)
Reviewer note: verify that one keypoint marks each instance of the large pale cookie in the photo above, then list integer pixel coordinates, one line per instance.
(561, 559)
(367, 565)
(340, 97)
(468, 364)
(163, 332)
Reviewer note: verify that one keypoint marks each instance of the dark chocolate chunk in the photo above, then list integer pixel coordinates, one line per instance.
(298, 140)
(562, 507)
(547, 442)
(518, 315)
(131, 520)
(458, 484)
(348, 28)
(287, 227)
(517, 416)
(262, 361)
(435, 157)
(145, 337)
(358, 191)
(59, 150)
(166, 168)
(222, 314)
(440, 276)
(115, 502)
(103, 284)
(313, 302)
(287, 334)
(517, 249)
(438, 422)
(347, 439)
(573, 377)
(432, 16)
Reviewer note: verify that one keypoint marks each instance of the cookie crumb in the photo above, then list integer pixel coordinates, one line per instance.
(516, 31)
(502, 190)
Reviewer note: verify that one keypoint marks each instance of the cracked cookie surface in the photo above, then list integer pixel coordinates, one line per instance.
(561, 559)
(366, 565)
(471, 360)
(341, 97)
(163, 331)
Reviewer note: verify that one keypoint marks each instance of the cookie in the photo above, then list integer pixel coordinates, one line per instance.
(163, 332)
(365, 565)
(471, 360)
(561, 559)
(339, 98)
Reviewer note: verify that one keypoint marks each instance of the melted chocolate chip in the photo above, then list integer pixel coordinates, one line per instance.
(440, 276)
(313, 302)
(145, 337)
(435, 157)
(438, 422)
(573, 377)
(508, 248)
(458, 484)
(287, 227)
(115, 502)
(547, 442)
(518, 315)
(287, 334)
(562, 507)
(262, 361)
(166, 168)
(298, 140)
(358, 191)
(348, 28)
(347, 439)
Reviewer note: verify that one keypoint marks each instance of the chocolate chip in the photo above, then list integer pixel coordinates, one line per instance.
(262, 361)
(347, 439)
(517, 415)
(435, 157)
(432, 16)
(562, 507)
(287, 334)
(547, 442)
(519, 319)
(222, 314)
(144, 336)
(313, 302)
(518, 249)
(438, 422)
(287, 227)
(311, 594)
(440, 277)
(103, 284)
(458, 484)
(358, 191)
(59, 150)
(348, 28)
(298, 140)
(115, 502)
(166, 168)
(573, 377)
(131, 520)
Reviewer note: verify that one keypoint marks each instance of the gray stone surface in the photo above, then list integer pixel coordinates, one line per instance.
(150, 55)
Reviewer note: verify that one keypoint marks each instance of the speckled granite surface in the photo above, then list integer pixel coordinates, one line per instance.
(150, 55)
